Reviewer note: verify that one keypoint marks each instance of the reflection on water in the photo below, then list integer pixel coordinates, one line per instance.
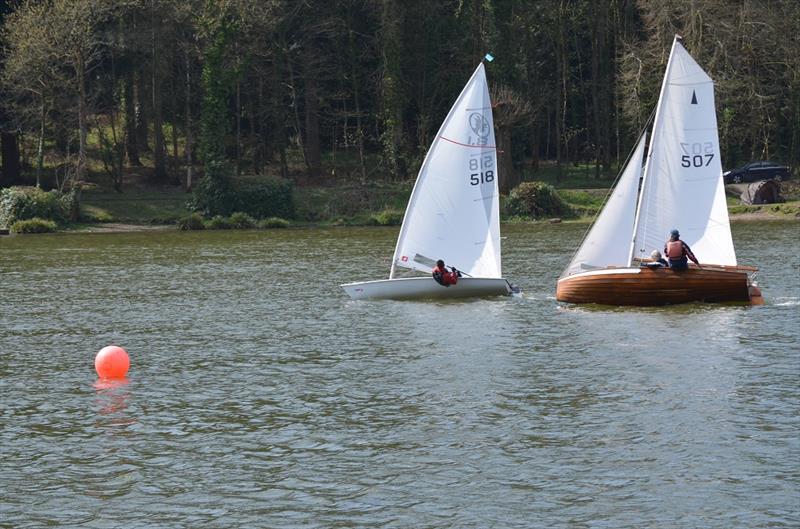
(264, 397)
(112, 401)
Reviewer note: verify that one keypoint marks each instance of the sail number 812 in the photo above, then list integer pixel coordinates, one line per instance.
(697, 154)
(481, 171)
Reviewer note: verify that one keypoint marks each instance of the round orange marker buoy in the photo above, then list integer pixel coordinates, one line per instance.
(112, 362)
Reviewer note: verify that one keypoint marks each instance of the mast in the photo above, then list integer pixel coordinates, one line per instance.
(648, 165)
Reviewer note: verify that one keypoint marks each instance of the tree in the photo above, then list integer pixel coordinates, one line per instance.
(214, 193)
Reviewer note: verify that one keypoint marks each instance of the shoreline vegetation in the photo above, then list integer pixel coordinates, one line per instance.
(147, 209)
(256, 114)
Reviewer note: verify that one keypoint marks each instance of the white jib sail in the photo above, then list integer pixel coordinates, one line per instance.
(608, 241)
(454, 210)
(682, 187)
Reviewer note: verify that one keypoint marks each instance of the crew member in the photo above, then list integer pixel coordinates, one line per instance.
(677, 252)
(656, 261)
(443, 276)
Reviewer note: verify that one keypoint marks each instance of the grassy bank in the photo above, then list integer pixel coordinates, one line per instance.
(351, 205)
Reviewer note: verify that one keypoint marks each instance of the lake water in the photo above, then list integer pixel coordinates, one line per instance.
(261, 396)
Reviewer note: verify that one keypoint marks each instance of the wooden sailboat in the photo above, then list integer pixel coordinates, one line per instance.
(454, 210)
(681, 187)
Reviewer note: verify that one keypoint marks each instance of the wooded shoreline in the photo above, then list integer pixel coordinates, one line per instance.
(198, 94)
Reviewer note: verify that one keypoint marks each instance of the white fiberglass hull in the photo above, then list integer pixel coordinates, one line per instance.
(427, 288)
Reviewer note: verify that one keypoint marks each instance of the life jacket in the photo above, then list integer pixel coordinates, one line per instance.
(675, 249)
(444, 277)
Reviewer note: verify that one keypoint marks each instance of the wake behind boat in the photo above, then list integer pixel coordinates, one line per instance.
(682, 187)
(453, 212)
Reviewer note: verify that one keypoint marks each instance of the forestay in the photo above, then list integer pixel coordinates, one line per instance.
(454, 212)
(682, 186)
(608, 241)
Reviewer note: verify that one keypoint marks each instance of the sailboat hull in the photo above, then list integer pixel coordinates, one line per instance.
(427, 288)
(652, 287)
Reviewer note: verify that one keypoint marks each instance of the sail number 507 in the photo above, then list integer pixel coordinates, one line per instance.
(481, 170)
(697, 154)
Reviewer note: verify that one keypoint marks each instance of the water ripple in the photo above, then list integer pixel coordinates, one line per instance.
(260, 396)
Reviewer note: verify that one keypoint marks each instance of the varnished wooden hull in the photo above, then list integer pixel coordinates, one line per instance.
(651, 287)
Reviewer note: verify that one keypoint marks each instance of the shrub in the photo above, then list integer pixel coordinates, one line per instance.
(272, 223)
(34, 225)
(218, 222)
(271, 197)
(193, 221)
(213, 194)
(242, 221)
(22, 203)
(387, 217)
(536, 199)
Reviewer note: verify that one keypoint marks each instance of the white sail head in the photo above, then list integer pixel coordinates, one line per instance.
(454, 210)
(608, 240)
(683, 187)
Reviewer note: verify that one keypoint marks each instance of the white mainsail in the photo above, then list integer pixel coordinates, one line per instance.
(608, 241)
(454, 209)
(682, 186)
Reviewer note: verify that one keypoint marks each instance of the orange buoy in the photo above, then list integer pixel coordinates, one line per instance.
(112, 362)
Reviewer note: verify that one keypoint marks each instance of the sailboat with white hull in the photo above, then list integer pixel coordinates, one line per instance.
(681, 187)
(453, 212)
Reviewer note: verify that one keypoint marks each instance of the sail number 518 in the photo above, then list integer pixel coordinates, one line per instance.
(697, 154)
(484, 168)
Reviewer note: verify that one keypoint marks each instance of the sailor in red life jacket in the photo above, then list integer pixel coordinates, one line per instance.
(444, 277)
(676, 251)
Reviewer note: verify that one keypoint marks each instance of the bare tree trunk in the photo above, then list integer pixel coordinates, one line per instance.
(40, 145)
(142, 112)
(508, 178)
(252, 141)
(238, 127)
(189, 126)
(559, 113)
(131, 147)
(175, 172)
(313, 149)
(298, 128)
(359, 130)
(158, 132)
(390, 87)
(80, 172)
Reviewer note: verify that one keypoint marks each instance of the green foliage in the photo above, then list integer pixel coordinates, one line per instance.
(193, 221)
(583, 202)
(272, 223)
(272, 197)
(387, 217)
(95, 214)
(536, 199)
(213, 195)
(161, 206)
(218, 222)
(242, 221)
(34, 225)
(22, 203)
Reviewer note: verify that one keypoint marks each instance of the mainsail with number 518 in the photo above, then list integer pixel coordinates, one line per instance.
(454, 210)
(681, 188)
